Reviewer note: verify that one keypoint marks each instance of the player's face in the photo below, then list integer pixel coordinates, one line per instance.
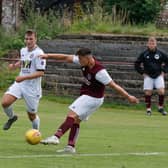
(84, 61)
(30, 41)
(152, 45)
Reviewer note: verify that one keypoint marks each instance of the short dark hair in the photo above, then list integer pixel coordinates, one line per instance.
(83, 52)
(30, 32)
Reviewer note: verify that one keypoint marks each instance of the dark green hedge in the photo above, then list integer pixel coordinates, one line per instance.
(140, 11)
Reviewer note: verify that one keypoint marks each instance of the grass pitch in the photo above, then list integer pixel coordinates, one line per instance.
(111, 138)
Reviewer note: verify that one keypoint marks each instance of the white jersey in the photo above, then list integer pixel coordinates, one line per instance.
(30, 63)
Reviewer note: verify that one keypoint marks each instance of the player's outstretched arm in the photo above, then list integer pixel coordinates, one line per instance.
(122, 92)
(64, 57)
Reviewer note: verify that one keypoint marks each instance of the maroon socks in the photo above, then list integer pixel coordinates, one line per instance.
(68, 123)
(73, 135)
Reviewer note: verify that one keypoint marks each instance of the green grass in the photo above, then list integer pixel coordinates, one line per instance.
(108, 131)
(116, 28)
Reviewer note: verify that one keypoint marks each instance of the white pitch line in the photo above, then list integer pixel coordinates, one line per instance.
(85, 155)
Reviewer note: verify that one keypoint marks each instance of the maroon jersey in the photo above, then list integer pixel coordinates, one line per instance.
(91, 86)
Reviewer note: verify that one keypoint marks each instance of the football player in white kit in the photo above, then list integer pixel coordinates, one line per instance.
(28, 84)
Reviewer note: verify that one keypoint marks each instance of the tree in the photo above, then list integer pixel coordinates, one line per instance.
(162, 21)
(0, 10)
(10, 14)
(143, 11)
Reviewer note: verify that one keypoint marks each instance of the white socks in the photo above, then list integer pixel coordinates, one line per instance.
(36, 123)
(9, 111)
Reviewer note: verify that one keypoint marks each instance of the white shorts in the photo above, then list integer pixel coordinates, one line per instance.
(154, 83)
(32, 101)
(85, 105)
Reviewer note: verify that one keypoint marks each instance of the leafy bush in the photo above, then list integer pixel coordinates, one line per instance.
(47, 25)
(10, 41)
(143, 11)
(7, 77)
(17, 43)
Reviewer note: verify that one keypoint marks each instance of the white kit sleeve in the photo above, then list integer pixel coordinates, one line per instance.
(40, 63)
(103, 77)
(76, 60)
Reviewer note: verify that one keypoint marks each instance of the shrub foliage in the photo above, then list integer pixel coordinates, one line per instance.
(143, 11)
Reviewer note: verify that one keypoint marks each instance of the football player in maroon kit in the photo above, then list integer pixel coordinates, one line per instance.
(91, 95)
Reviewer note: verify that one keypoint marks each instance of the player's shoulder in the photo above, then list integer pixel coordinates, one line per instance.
(23, 49)
(98, 66)
(161, 52)
(38, 51)
(143, 54)
(98, 63)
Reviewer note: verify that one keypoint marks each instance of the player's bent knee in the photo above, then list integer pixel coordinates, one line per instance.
(77, 121)
(7, 100)
(31, 116)
(161, 92)
(5, 104)
(72, 114)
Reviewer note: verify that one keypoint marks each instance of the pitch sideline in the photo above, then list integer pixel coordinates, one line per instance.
(86, 155)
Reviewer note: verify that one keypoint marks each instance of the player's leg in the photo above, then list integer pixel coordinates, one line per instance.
(8, 99)
(77, 107)
(71, 118)
(63, 128)
(90, 105)
(32, 103)
(148, 95)
(34, 118)
(148, 87)
(160, 85)
(73, 136)
(83, 107)
(79, 110)
(7, 102)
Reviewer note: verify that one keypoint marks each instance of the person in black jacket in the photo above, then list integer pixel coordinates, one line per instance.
(153, 64)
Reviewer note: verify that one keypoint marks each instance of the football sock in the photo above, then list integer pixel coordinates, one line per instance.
(68, 123)
(36, 123)
(73, 135)
(148, 101)
(161, 100)
(9, 111)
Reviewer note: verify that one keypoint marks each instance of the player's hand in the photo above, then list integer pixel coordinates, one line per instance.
(44, 56)
(145, 75)
(133, 99)
(11, 66)
(163, 74)
(19, 79)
